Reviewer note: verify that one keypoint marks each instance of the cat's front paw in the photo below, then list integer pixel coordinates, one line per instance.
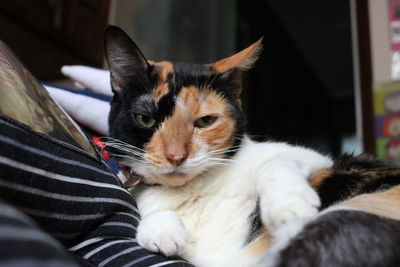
(164, 232)
(298, 204)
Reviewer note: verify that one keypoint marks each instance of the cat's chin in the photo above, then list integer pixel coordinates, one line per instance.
(176, 174)
(170, 179)
(174, 179)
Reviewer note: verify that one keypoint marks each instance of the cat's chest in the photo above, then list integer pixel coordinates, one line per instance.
(218, 219)
(210, 205)
(224, 186)
(217, 208)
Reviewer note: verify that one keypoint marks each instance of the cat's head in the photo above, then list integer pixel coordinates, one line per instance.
(176, 121)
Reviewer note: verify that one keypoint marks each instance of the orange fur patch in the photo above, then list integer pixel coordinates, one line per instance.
(161, 90)
(243, 60)
(318, 177)
(385, 203)
(177, 132)
(162, 69)
(152, 149)
(261, 244)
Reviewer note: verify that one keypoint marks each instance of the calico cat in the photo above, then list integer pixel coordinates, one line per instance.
(203, 181)
(208, 193)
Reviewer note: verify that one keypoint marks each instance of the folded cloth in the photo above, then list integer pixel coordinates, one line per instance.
(84, 77)
(89, 111)
(84, 105)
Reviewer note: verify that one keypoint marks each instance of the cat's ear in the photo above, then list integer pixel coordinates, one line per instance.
(232, 68)
(242, 60)
(124, 58)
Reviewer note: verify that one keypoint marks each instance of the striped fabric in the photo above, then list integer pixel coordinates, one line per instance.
(62, 207)
(19, 234)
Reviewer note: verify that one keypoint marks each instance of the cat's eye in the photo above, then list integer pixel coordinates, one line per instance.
(205, 121)
(145, 121)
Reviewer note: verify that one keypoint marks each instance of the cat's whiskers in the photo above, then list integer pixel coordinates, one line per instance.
(225, 148)
(216, 162)
(130, 161)
(223, 151)
(122, 146)
(127, 151)
(114, 140)
(135, 157)
(208, 172)
(208, 161)
(133, 163)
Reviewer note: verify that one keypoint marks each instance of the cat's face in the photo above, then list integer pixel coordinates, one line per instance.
(177, 121)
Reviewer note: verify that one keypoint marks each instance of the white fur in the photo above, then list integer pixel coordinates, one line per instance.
(215, 209)
(168, 238)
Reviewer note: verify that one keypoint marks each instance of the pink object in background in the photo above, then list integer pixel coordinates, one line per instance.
(394, 23)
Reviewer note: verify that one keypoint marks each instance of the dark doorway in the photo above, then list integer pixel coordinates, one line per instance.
(302, 87)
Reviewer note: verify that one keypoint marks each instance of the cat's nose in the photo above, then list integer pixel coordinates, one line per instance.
(176, 159)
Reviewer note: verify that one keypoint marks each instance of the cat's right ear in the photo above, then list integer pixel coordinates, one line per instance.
(124, 58)
(242, 60)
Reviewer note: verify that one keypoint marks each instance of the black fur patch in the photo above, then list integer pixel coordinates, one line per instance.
(135, 97)
(255, 224)
(345, 238)
(352, 176)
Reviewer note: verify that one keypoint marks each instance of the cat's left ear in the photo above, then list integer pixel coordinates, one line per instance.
(242, 60)
(124, 58)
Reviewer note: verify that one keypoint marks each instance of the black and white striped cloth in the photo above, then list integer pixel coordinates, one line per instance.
(62, 207)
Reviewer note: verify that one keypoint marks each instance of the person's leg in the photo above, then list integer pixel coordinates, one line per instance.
(23, 243)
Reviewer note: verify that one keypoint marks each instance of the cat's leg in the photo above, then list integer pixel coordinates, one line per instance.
(284, 193)
(162, 231)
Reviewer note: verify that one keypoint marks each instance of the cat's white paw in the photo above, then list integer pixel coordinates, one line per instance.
(294, 205)
(164, 232)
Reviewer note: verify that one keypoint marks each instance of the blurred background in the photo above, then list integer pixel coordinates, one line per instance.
(313, 84)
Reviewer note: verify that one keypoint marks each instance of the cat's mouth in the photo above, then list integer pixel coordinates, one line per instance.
(175, 173)
(131, 178)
